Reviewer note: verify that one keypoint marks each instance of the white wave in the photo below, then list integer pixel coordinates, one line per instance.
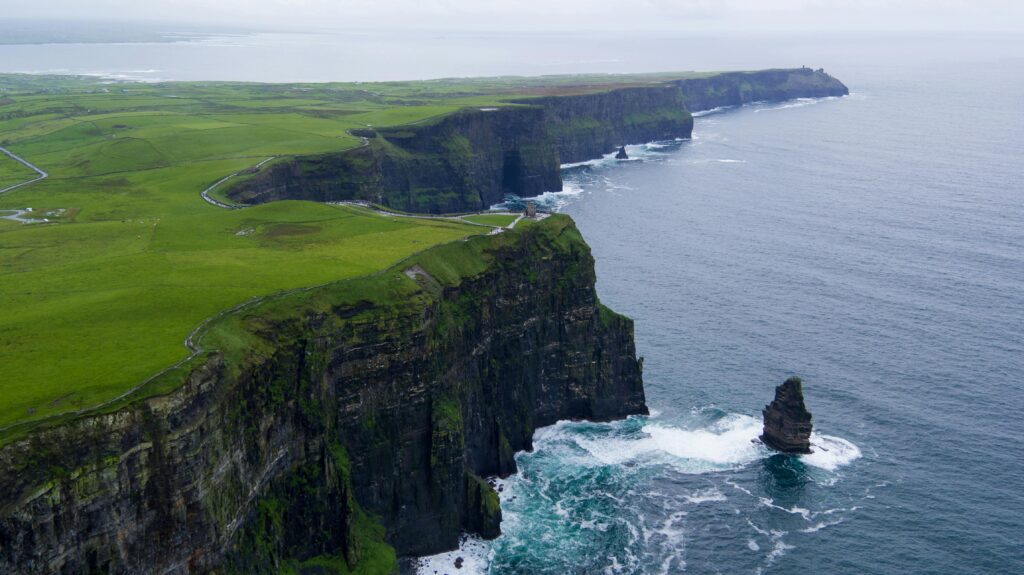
(702, 113)
(819, 526)
(797, 103)
(729, 161)
(656, 145)
(635, 152)
(805, 513)
(778, 550)
(752, 545)
(605, 159)
(726, 442)
(552, 201)
(705, 496)
(475, 554)
(830, 453)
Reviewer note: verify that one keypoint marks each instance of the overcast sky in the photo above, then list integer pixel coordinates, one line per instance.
(679, 15)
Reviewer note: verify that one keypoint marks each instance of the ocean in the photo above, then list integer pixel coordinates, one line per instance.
(872, 245)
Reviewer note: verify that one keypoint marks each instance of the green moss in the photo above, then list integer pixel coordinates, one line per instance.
(261, 545)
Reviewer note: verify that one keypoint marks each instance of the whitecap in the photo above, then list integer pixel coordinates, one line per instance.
(819, 526)
(778, 550)
(830, 453)
(727, 442)
(475, 554)
(709, 495)
(702, 113)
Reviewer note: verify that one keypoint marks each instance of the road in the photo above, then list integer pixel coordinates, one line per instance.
(42, 175)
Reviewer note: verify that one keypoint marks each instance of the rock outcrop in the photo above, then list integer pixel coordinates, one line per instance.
(787, 423)
(335, 426)
(621, 154)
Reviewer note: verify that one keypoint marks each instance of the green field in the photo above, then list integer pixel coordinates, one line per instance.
(496, 220)
(12, 172)
(133, 260)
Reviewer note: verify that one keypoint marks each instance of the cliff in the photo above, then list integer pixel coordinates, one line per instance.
(472, 159)
(333, 427)
(739, 88)
(464, 161)
(584, 127)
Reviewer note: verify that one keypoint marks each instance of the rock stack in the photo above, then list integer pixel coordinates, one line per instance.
(622, 155)
(787, 423)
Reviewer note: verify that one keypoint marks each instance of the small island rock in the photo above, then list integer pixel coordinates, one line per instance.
(622, 155)
(787, 423)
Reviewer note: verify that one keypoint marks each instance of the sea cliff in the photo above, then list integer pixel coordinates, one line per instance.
(472, 159)
(333, 428)
(738, 88)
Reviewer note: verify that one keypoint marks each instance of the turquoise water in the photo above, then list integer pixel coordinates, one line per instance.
(873, 245)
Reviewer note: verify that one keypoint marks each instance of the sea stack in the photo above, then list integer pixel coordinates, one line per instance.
(787, 423)
(622, 155)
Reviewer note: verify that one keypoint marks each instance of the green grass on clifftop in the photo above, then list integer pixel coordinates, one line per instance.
(102, 298)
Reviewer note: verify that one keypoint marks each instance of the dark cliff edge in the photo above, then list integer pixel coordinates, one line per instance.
(333, 427)
(738, 88)
(588, 126)
(464, 161)
(472, 159)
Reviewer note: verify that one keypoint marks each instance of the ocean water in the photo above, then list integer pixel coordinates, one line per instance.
(872, 245)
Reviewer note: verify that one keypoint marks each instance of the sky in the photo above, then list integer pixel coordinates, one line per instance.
(524, 15)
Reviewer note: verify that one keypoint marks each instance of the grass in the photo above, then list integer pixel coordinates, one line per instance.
(102, 298)
(496, 220)
(13, 172)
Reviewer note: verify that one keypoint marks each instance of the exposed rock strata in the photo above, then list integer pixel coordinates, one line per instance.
(739, 88)
(584, 127)
(380, 399)
(787, 423)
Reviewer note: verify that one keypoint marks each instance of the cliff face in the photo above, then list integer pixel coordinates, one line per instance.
(468, 160)
(333, 421)
(472, 159)
(587, 126)
(738, 88)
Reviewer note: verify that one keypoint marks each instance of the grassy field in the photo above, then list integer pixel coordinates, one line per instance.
(496, 220)
(101, 298)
